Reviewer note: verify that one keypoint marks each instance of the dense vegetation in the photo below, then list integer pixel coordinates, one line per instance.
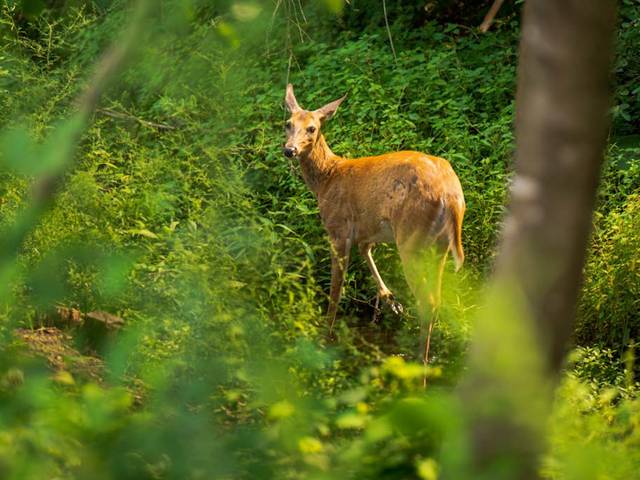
(182, 217)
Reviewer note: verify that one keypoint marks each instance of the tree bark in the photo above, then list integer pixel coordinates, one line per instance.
(561, 130)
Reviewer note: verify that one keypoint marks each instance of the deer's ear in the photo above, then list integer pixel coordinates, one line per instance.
(290, 99)
(329, 109)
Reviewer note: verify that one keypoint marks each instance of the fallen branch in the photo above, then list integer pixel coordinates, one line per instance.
(93, 329)
(74, 317)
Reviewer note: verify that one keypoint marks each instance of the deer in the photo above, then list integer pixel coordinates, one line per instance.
(409, 198)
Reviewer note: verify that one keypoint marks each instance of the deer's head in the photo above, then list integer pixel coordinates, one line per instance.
(303, 127)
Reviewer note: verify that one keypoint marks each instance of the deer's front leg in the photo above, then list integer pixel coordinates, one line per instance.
(383, 292)
(339, 262)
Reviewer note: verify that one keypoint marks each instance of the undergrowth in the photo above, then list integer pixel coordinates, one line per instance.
(182, 217)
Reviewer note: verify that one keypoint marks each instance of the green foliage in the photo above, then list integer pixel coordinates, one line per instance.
(626, 109)
(594, 428)
(181, 216)
(609, 309)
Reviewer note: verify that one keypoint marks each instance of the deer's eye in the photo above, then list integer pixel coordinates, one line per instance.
(311, 129)
(287, 125)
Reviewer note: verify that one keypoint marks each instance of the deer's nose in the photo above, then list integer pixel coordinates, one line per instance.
(289, 151)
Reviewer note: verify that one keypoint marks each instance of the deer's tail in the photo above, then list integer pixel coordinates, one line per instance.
(455, 242)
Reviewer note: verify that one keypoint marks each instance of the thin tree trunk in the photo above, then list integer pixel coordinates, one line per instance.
(561, 129)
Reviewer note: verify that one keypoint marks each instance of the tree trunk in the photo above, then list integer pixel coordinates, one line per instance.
(561, 129)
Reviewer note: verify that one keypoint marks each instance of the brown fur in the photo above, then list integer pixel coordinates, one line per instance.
(409, 198)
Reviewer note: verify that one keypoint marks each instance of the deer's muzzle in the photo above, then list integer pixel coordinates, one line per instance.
(289, 152)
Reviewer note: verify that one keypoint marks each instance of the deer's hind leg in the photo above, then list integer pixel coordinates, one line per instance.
(435, 302)
(383, 292)
(423, 266)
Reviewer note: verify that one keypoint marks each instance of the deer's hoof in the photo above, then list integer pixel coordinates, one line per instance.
(396, 307)
(331, 336)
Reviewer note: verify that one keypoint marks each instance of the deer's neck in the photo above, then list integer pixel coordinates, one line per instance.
(318, 164)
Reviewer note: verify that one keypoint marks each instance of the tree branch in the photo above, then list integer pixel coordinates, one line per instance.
(491, 14)
(126, 116)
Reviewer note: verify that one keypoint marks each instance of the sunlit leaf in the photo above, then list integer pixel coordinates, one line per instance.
(310, 445)
(427, 469)
(245, 11)
(282, 409)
